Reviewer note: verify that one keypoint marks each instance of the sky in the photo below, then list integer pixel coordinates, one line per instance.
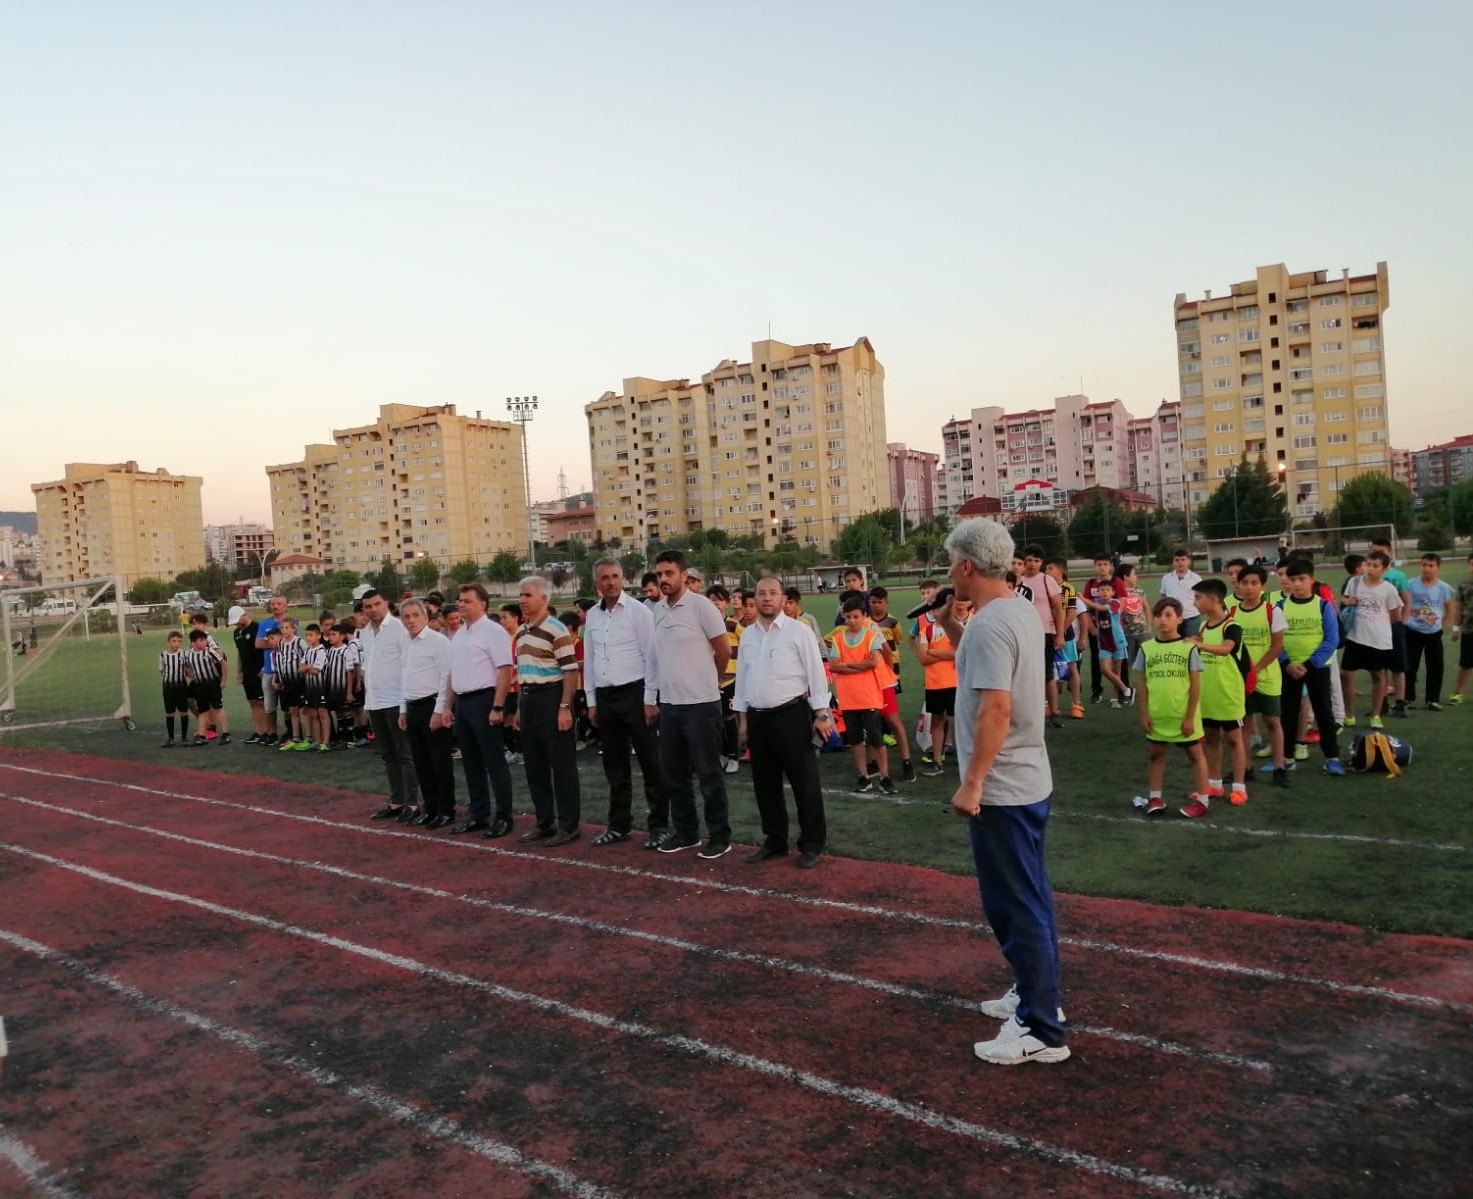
(226, 230)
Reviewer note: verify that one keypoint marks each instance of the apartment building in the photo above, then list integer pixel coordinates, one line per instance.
(239, 544)
(789, 445)
(1077, 443)
(115, 519)
(912, 481)
(1291, 367)
(1156, 455)
(418, 482)
(1444, 465)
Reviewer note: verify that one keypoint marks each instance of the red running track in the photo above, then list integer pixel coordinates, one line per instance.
(234, 986)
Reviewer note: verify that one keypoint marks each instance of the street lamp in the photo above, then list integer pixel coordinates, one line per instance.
(522, 409)
(261, 556)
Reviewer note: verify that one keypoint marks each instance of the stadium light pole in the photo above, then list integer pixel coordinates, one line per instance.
(522, 409)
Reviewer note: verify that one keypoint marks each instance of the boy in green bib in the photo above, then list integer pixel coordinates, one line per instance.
(1169, 670)
(1263, 628)
(1311, 636)
(1225, 667)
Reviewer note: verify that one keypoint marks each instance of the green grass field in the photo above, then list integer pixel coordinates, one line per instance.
(1368, 850)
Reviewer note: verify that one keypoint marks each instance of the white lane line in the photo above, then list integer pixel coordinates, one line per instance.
(701, 883)
(875, 1102)
(899, 991)
(37, 1174)
(381, 1102)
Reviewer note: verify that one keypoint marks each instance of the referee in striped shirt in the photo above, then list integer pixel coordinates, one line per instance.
(547, 675)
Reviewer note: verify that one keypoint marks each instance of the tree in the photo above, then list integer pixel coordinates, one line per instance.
(150, 591)
(632, 563)
(387, 580)
(864, 542)
(424, 574)
(506, 567)
(1374, 499)
(465, 571)
(1041, 529)
(1435, 533)
(889, 519)
(213, 582)
(1098, 526)
(1455, 504)
(1249, 502)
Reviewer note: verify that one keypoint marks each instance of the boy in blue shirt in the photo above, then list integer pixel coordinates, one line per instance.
(1430, 604)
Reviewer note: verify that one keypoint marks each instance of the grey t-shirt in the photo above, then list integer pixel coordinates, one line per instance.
(1002, 650)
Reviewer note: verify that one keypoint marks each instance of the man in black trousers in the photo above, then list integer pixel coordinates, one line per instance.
(618, 669)
(781, 701)
(424, 715)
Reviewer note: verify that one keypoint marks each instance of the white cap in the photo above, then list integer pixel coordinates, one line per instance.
(235, 614)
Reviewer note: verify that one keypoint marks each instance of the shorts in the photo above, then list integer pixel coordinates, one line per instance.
(1398, 649)
(1363, 657)
(941, 701)
(1259, 704)
(1209, 723)
(864, 728)
(251, 685)
(1071, 650)
(268, 692)
(892, 705)
(206, 695)
(314, 693)
(1183, 744)
(292, 692)
(176, 697)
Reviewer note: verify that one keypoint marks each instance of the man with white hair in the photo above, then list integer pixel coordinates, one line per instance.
(385, 645)
(1006, 788)
(547, 677)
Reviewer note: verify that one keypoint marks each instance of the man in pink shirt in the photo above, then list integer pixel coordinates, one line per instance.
(1048, 601)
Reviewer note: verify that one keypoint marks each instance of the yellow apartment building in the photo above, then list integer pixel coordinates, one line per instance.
(1292, 367)
(418, 482)
(107, 519)
(789, 445)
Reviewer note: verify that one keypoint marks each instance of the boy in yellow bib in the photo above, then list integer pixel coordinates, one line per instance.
(1225, 667)
(1170, 693)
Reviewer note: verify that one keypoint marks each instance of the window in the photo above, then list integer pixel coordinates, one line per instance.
(1217, 318)
(1297, 306)
(1304, 443)
(1331, 418)
(1247, 334)
(1333, 323)
(1331, 347)
(1191, 368)
(1223, 405)
(1218, 339)
(1226, 451)
(1250, 313)
(1330, 301)
(1189, 347)
(1369, 391)
(1221, 384)
(1302, 395)
(1299, 374)
(1336, 438)
(1371, 367)
(1371, 412)
(1220, 360)
(1299, 328)
(1304, 418)
(1336, 368)
(1366, 299)
(1226, 427)
(1191, 389)
(1371, 436)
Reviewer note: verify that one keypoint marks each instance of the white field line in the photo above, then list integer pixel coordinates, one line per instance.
(1198, 826)
(702, 883)
(440, 1127)
(874, 1102)
(765, 961)
(37, 1175)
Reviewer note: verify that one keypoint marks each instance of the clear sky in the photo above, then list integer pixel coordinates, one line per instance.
(227, 228)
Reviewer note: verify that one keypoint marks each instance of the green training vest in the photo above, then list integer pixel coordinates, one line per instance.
(1257, 637)
(1223, 684)
(1169, 686)
(1306, 628)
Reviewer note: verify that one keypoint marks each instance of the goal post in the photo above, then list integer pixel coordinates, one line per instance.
(1338, 540)
(66, 655)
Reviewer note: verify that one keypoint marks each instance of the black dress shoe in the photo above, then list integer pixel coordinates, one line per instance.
(808, 859)
(388, 812)
(434, 822)
(470, 826)
(538, 834)
(563, 837)
(422, 819)
(499, 827)
(409, 815)
(763, 852)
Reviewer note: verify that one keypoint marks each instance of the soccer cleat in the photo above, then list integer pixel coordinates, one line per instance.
(322, 749)
(1012, 1047)
(1376, 723)
(1155, 806)
(862, 786)
(1077, 711)
(302, 745)
(286, 746)
(1348, 722)
(933, 769)
(1265, 752)
(1281, 777)
(1238, 797)
(1333, 767)
(1301, 752)
(1215, 792)
(907, 772)
(1434, 707)
(1195, 808)
(1456, 699)
(253, 739)
(926, 758)
(889, 740)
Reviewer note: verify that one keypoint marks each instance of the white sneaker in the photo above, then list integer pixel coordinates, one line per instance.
(1015, 1045)
(1003, 1007)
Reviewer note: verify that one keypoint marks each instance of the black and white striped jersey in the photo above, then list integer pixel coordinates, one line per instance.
(171, 667)
(287, 659)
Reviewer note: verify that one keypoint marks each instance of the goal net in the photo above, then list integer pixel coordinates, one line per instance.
(1339, 540)
(66, 655)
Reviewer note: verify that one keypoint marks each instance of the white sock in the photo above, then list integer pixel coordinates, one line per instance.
(1214, 784)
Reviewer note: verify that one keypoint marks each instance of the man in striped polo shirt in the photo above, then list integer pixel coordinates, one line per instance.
(547, 678)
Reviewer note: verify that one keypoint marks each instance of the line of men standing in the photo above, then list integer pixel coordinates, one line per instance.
(652, 673)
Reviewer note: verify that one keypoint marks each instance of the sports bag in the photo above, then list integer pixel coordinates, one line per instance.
(1380, 753)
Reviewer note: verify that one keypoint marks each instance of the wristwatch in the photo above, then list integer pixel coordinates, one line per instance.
(498, 708)
(565, 707)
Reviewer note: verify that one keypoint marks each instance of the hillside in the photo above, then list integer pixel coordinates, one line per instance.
(24, 522)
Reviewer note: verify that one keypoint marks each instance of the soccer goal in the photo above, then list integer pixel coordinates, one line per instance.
(1342, 539)
(66, 655)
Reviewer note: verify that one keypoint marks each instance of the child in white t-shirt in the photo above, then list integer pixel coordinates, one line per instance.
(1368, 642)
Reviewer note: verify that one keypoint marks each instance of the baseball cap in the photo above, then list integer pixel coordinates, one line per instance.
(235, 614)
(692, 573)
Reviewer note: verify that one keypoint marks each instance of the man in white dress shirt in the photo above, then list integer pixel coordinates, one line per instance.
(481, 669)
(384, 643)
(1177, 584)
(619, 677)
(782, 699)
(424, 715)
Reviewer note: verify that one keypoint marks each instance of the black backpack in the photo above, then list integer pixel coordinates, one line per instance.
(1380, 753)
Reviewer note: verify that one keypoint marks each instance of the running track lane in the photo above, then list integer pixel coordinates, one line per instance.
(539, 863)
(664, 1118)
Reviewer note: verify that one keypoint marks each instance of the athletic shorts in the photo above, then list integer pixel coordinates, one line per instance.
(1183, 744)
(293, 691)
(268, 692)
(251, 685)
(864, 727)
(941, 701)
(1209, 723)
(1262, 705)
(176, 697)
(314, 693)
(1071, 651)
(1363, 657)
(892, 705)
(206, 695)
(1398, 648)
